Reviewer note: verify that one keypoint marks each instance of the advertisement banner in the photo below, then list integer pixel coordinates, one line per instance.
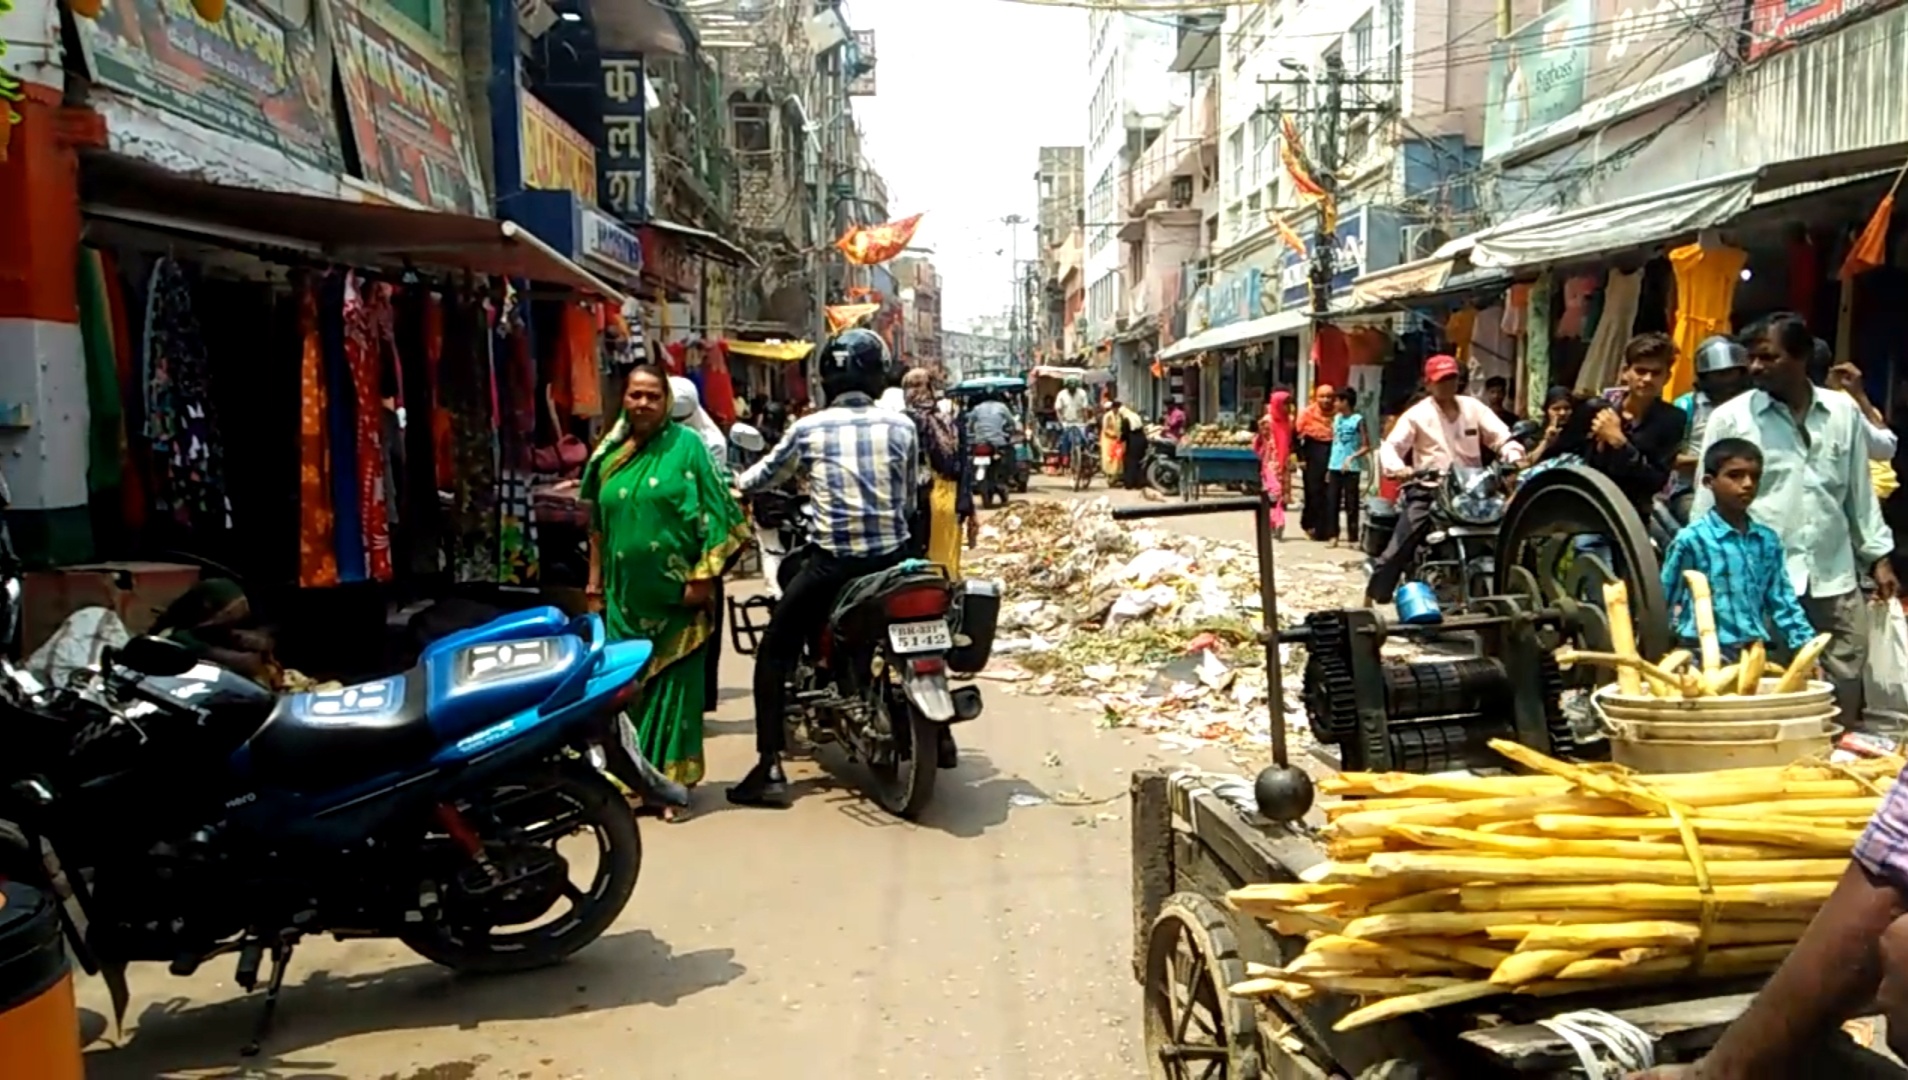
(407, 113)
(1537, 76)
(1348, 262)
(246, 75)
(555, 156)
(1775, 23)
(1235, 297)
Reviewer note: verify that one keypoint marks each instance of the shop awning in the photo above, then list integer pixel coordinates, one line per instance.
(355, 233)
(1237, 334)
(1626, 223)
(708, 243)
(778, 351)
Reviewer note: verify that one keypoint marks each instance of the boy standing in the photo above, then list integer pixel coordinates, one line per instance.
(1743, 560)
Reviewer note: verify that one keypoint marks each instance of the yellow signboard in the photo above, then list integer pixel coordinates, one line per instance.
(555, 157)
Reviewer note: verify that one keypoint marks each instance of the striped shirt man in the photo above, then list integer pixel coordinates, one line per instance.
(861, 463)
(1748, 583)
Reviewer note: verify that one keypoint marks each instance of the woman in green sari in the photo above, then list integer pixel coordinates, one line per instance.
(662, 526)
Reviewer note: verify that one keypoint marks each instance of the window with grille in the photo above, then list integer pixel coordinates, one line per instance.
(749, 127)
(1235, 145)
(1359, 44)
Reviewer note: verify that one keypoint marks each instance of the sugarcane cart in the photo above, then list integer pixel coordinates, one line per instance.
(1197, 837)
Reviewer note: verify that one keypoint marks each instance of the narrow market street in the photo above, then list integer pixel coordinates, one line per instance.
(829, 940)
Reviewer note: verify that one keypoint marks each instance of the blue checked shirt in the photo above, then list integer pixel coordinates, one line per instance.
(861, 462)
(1748, 583)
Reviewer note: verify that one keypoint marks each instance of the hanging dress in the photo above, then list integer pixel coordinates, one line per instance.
(181, 428)
(361, 357)
(317, 547)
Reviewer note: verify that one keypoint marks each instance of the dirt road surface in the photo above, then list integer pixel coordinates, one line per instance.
(825, 941)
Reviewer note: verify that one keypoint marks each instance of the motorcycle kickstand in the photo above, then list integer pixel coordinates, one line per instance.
(281, 959)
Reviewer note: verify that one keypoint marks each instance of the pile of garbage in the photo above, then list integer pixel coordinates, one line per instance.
(1157, 627)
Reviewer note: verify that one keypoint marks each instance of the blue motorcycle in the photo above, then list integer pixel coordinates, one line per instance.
(183, 811)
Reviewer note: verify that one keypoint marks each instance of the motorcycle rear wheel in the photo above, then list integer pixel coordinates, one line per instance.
(1163, 475)
(592, 803)
(905, 785)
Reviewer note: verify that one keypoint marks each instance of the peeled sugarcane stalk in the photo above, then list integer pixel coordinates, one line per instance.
(1669, 665)
(1766, 895)
(1277, 897)
(1471, 839)
(1735, 961)
(1624, 665)
(1457, 923)
(1430, 900)
(1799, 833)
(1563, 869)
(1755, 659)
(1395, 962)
(1376, 788)
(1395, 956)
(1703, 606)
(1523, 967)
(1723, 680)
(1364, 786)
(1803, 665)
(1616, 607)
(1380, 1011)
(1360, 806)
(1648, 933)
(1368, 985)
(1856, 807)
(1471, 811)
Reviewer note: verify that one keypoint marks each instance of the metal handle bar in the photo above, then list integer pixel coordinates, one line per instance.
(1185, 509)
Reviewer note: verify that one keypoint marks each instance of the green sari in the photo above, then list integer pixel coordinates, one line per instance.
(666, 518)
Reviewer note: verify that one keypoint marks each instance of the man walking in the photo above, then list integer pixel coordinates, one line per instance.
(1817, 494)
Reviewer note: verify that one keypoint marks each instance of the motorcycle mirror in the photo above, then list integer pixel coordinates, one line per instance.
(157, 656)
(746, 437)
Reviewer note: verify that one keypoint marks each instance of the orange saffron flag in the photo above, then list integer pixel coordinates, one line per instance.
(1870, 249)
(1290, 235)
(1295, 166)
(867, 245)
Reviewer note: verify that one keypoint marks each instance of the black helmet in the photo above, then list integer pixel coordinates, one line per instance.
(854, 360)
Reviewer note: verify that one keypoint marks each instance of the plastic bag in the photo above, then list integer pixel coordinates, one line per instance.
(1885, 682)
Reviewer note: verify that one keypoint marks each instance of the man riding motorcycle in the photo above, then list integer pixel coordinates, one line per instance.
(861, 464)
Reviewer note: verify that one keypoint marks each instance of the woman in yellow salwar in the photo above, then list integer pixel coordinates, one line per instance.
(944, 510)
(662, 527)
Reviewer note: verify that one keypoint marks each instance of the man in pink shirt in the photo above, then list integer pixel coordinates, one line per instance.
(1445, 429)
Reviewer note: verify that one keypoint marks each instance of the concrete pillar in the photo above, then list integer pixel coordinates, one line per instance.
(43, 406)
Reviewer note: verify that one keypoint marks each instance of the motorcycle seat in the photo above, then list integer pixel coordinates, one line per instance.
(543, 621)
(329, 739)
(864, 595)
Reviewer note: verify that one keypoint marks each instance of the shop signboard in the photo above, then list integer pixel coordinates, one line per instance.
(602, 239)
(1775, 23)
(1199, 310)
(556, 157)
(407, 111)
(247, 75)
(666, 261)
(622, 158)
(1235, 297)
(1587, 63)
(1348, 261)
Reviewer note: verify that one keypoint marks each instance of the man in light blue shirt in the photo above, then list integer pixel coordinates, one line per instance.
(1816, 493)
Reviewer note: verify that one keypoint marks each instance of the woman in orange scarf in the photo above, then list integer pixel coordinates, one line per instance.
(1315, 455)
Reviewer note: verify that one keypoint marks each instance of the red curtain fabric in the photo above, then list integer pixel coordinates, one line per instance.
(1331, 356)
(718, 390)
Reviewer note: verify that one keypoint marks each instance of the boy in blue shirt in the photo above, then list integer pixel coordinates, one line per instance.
(1744, 561)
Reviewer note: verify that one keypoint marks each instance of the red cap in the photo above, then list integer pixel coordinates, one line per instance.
(1439, 368)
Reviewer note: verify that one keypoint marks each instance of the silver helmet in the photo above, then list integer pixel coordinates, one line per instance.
(1719, 353)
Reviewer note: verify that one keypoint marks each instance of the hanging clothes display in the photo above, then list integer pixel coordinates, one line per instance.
(417, 328)
(132, 487)
(106, 419)
(1706, 279)
(317, 550)
(517, 562)
(361, 357)
(1621, 296)
(341, 430)
(180, 426)
(466, 391)
(1537, 344)
(717, 389)
(576, 378)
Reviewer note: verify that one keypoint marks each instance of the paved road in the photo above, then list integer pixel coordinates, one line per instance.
(825, 941)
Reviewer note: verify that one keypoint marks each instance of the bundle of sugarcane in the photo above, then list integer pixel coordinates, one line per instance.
(1665, 678)
(1444, 889)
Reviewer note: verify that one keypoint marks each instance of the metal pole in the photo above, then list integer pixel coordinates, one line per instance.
(1269, 607)
(1325, 158)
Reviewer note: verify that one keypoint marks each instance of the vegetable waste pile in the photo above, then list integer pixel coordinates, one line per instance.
(1449, 889)
(1157, 627)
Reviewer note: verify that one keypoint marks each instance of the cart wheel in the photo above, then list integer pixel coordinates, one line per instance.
(1195, 1029)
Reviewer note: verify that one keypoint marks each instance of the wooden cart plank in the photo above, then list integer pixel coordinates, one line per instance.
(1152, 858)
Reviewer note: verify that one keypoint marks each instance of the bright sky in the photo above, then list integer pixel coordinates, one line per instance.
(967, 91)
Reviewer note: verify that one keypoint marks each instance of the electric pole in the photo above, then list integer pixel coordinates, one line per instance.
(1013, 223)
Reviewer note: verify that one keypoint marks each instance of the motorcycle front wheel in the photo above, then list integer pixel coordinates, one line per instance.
(904, 779)
(544, 917)
(1163, 474)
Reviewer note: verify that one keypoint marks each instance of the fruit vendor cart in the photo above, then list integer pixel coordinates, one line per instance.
(1198, 837)
(1216, 466)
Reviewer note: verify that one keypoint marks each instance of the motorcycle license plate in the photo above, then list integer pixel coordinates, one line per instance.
(920, 637)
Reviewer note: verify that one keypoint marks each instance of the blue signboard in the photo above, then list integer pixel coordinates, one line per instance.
(1348, 262)
(1235, 297)
(598, 241)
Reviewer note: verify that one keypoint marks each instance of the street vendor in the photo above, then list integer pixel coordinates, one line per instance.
(1816, 494)
(1854, 951)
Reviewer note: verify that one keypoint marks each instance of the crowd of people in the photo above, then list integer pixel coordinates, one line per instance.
(1773, 467)
(884, 468)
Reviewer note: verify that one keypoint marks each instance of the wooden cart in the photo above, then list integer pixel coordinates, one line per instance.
(1195, 838)
(1206, 466)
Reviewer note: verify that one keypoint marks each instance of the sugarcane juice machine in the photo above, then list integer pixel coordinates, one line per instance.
(1381, 713)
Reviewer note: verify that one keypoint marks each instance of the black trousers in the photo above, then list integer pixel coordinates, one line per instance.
(1414, 520)
(805, 605)
(1343, 488)
(1316, 515)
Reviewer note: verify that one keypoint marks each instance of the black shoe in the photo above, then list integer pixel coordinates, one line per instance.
(946, 754)
(766, 785)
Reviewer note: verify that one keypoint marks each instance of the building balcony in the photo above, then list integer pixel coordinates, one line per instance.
(1177, 151)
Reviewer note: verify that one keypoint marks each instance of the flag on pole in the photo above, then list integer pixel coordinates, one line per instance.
(1290, 235)
(867, 245)
(1296, 166)
(1870, 249)
(843, 316)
